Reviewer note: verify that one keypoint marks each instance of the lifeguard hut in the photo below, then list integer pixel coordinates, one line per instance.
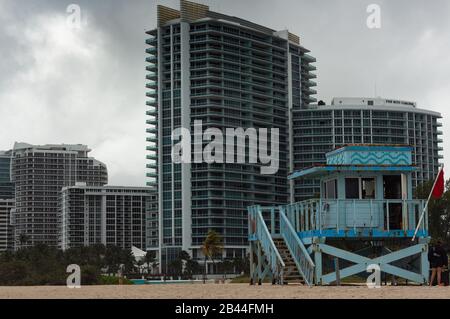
(365, 216)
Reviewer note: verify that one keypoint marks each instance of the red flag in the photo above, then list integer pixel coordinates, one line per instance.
(438, 188)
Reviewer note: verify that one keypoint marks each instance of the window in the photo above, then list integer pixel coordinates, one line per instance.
(331, 189)
(368, 188)
(352, 188)
(360, 188)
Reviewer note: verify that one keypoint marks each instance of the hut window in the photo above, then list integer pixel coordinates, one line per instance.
(368, 188)
(352, 188)
(331, 189)
(360, 188)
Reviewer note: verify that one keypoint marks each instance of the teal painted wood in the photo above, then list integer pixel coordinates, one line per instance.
(355, 215)
(303, 261)
(362, 262)
(370, 155)
(258, 231)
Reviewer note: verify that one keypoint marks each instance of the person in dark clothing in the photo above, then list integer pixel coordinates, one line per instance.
(437, 258)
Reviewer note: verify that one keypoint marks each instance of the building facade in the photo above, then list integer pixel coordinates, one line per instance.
(227, 73)
(39, 173)
(6, 185)
(6, 229)
(7, 202)
(108, 215)
(320, 129)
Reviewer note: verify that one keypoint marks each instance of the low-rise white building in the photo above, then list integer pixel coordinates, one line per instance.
(108, 215)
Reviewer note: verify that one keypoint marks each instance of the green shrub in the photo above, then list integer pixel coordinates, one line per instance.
(113, 280)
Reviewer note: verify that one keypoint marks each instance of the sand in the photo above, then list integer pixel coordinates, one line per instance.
(218, 291)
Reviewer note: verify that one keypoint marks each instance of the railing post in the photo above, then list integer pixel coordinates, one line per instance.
(354, 216)
(404, 215)
(307, 217)
(371, 217)
(297, 218)
(272, 221)
(337, 214)
(387, 215)
(302, 220)
(320, 215)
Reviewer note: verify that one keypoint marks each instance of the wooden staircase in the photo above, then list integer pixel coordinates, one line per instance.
(290, 272)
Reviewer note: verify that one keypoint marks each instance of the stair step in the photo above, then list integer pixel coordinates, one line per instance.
(290, 271)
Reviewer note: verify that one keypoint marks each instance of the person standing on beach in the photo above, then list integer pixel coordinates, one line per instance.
(437, 258)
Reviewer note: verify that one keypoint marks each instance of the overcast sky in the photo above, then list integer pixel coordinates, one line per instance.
(62, 85)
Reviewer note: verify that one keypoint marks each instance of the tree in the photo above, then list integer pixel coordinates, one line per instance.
(438, 211)
(242, 264)
(176, 267)
(227, 267)
(149, 259)
(113, 259)
(127, 260)
(190, 266)
(23, 239)
(211, 247)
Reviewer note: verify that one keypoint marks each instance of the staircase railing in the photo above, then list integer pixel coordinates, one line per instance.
(273, 257)
(304, 263)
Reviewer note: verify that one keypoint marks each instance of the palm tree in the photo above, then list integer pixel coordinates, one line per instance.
(23, 239)
(211, 247)
(149, 259)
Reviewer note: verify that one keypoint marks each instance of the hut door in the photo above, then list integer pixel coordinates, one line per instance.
(392, 185)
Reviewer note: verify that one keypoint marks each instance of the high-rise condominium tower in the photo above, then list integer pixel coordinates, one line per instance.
(228, 73)
(39, 173)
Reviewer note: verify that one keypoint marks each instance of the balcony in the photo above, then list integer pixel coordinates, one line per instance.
(309, 58)
(152, 85)
(152, 42)
(152, 148)
(151, 59)
(151, 67)
(152, 157)
(152, 94)
(310, 67)
(152, 174)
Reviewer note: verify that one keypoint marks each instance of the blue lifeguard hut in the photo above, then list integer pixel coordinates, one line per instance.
(365, 216)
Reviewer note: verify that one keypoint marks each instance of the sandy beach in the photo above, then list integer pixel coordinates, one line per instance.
(219, 291)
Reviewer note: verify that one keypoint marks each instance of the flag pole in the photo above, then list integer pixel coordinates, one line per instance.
(426, 205)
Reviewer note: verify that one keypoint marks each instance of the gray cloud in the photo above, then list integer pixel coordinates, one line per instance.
(88, 86)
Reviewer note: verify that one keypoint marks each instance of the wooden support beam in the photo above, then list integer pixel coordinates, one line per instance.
(383, 261)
